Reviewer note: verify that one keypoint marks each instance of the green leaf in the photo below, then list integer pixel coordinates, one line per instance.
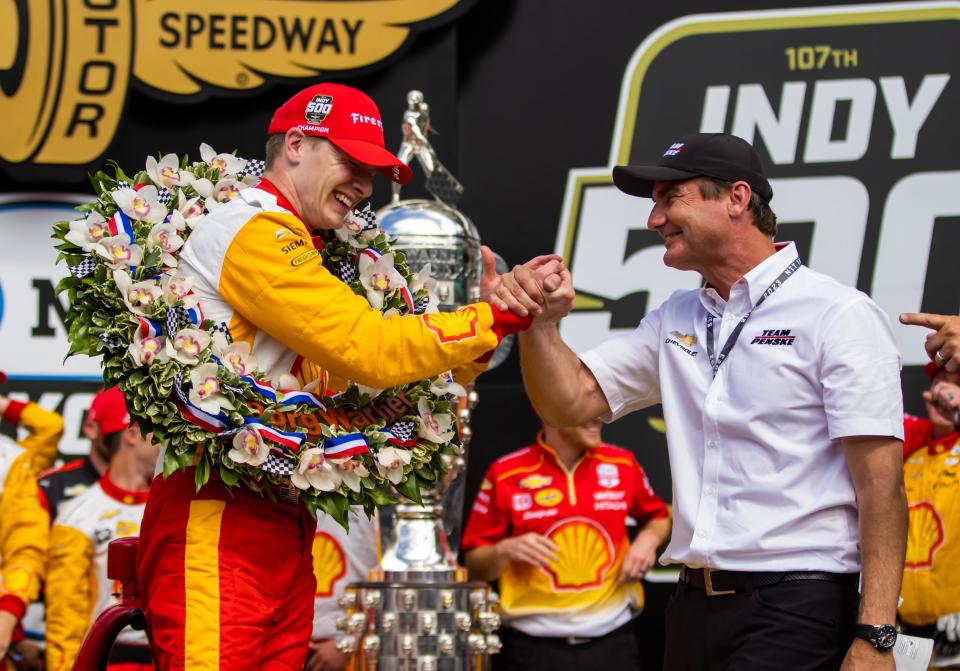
(202, 474)
(228, 476)
(170, 462)
(410, 488)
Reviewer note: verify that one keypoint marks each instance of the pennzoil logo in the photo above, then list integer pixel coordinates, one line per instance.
(67, 66)
(548, 497)
(318, 108)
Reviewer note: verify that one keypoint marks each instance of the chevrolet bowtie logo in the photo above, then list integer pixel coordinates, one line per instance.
(688, 340)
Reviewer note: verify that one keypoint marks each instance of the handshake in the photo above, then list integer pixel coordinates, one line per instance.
(541, 288)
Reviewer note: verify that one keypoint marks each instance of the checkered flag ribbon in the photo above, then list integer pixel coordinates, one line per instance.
(421, 305)
(253, 167)
(164, 195)
(347, 272)
(402, 430)
(177, 318)
(112, 343)
(221, 327)
(84, 268)
(178, 387)
(368, 215)
(278, 465)
(123, 185)
(444, 186)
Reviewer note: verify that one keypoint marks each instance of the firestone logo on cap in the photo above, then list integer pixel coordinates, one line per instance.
(318, 108)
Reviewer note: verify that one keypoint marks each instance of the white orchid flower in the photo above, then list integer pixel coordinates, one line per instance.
(166, 238)
(351, 471)
(390, 463)
(235, 357)
(190, 209)
(167, 172)
(175, 219)
(223, 163)
(444, 385)
(187, 345)
(378, 277)
(138, 296)
(249, 448)
(86, 233)
(145, 351)
(437, 428)
(423, 280)
(118, 253)
(177, 288)
(355, 232)
(205, 389)
(314, 471)
(215, 195)
(142, 204)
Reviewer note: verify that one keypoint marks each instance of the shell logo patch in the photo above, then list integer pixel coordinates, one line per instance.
(924, 535)
(453, 326)
(535, 481)
(548, 497)
(586, 554)
(329, 564)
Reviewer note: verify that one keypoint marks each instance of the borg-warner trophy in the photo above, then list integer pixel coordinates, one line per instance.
(419, 613)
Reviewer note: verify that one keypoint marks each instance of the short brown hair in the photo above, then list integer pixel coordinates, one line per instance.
(763, 217)
(274, 147)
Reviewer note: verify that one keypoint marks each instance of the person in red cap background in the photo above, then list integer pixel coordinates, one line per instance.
(77, 588)
(931, 590)
(23, 524)
(227, 576)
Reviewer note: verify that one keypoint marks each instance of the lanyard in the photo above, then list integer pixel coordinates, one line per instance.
(735, 334)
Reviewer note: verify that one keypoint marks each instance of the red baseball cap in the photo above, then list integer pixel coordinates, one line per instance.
(348, 118)
(109, 411)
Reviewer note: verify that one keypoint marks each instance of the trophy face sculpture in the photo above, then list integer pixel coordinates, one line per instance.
(421, 614)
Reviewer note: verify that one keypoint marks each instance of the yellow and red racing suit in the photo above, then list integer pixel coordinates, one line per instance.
(77, 588)
(24, 529)
(931, 475)
(227, 577)
(584, 511)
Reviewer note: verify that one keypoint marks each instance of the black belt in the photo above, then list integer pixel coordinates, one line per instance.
(717, 583)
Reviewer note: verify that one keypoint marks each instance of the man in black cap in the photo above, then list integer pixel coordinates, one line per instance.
(781, 392)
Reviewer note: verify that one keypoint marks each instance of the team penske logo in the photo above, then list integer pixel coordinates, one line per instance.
(535, 481)
(318, 108)
(70, 64)
(925, 535)
(453, 326)
(608, 475)
(779, 337)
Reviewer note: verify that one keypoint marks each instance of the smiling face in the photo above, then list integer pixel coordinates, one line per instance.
(695, 230)
(328, 183)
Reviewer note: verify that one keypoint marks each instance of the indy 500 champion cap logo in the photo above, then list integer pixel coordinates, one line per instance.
(318, 108)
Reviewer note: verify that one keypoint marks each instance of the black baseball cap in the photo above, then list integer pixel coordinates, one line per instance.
(716, 155)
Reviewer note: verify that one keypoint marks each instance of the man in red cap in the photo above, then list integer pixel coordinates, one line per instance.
(227, 576)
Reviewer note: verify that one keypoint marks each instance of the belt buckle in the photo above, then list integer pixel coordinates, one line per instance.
(577, 640)
(708, 584)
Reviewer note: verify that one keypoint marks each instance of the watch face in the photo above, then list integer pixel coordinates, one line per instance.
(885, 636)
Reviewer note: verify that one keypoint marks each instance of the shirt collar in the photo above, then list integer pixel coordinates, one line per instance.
(266, 185)
(112, 490)
(545, 447)
(757, 280)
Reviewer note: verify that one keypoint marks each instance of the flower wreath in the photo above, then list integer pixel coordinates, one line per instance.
(201, 394)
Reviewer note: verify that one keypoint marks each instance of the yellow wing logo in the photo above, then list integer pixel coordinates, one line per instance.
(180, 47)
(688, 340)
(925, 535)
(453, 326)
(329, 564)
(586, 554)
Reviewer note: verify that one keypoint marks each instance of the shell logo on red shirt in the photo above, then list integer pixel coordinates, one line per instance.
(329, 564)
(453, 326)
(924, 535)
(586, 554)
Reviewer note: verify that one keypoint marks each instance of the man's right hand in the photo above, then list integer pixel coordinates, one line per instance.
(943, 344)
(524, 289)
(531, 548)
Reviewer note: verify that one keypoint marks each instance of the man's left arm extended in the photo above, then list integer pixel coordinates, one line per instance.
(876, 467)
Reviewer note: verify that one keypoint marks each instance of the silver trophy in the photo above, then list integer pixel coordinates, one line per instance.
(421, 614)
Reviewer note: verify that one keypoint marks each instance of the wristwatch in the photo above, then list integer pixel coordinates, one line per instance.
(882, 636)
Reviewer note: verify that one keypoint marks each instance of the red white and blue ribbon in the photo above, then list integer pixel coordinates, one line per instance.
(150, 328)
(289, 439)
(349, 445)
(120, 224)
(212, 423)
(301, 397)
(261, 388)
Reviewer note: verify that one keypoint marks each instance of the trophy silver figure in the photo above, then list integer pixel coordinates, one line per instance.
(421, 614)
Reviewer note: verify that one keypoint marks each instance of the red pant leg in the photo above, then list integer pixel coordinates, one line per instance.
(217, 570)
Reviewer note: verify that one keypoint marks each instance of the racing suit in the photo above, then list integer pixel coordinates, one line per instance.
(23, 523)
(77, 588)
(227, 577)
(931, 472)
(583, 510)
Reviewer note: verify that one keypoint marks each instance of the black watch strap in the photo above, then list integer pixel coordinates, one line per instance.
(882, 636)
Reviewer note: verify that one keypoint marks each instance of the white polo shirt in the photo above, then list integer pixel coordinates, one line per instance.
(760, 482)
